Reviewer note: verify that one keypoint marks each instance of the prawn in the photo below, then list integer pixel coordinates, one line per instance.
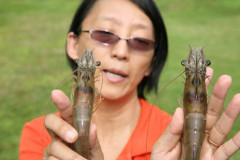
(83, 95)
(83, 102)
(194, 104)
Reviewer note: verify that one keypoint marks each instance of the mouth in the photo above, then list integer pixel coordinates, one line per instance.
(114, 75)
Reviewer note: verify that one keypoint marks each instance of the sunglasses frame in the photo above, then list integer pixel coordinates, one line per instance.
(131, 45)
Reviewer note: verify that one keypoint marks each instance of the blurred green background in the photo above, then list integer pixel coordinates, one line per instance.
(33, 61)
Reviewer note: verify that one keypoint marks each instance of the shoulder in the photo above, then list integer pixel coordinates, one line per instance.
(34, 139)
(154, 113)
(36, 125)
(32, 133)
(32, 128)
(151, 124)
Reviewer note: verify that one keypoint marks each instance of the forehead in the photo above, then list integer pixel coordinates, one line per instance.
(120, 12)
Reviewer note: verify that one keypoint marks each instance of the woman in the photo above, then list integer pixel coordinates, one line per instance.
(129, 38)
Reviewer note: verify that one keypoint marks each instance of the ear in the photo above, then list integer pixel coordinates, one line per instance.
(72, 46)
(148, 71)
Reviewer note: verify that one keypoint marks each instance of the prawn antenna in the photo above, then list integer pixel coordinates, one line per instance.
(70, 75)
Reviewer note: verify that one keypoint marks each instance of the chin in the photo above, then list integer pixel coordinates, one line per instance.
(111, 96)
(118, 95)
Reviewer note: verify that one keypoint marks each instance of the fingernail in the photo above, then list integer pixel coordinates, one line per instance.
(70, 136)
(54, 91)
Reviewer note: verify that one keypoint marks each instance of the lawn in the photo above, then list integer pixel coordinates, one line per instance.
(32, 55)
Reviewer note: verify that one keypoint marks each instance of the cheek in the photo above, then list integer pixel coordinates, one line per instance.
(101, 54)
(143, 65)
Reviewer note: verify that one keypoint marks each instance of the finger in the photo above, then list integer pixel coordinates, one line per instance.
(52, 158)
(216, 102)
(95, 151)
(92, 136)
(46, 156)
(224, 125)
(59, 150)
(209, 74)
(61, 128)
(172, 134)
(228, 149)
(63, 104)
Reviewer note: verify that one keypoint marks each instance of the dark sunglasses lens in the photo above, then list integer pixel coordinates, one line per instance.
(104, 37)
(141, 44)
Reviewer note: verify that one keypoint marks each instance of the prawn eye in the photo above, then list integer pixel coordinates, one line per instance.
(183, 62)
(77, 60)
(98, 63)
(208, 62)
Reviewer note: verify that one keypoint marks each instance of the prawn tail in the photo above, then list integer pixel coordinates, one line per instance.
(194, 132)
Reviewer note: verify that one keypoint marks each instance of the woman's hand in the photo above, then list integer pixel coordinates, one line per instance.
(63, 134)
(218, 127)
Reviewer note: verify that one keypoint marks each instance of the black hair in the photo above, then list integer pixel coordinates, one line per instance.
(161, 42)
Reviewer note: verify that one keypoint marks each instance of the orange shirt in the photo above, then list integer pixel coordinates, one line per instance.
(33, 144)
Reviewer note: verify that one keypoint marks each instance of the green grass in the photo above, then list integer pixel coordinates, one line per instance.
(33, 62)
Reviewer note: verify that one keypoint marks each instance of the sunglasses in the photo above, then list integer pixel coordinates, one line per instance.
(109, 38)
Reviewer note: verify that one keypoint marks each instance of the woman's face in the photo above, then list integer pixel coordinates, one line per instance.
(122, 67)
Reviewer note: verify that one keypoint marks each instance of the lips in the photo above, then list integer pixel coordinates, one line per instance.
(114, 76)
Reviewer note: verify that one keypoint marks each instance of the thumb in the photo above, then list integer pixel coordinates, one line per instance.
(169, 143)
(95, 151)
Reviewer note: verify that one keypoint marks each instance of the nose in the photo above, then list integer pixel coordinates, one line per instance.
(120, 50)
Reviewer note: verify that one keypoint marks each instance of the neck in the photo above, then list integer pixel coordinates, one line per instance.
(116, 121)
(115, 115)
(111, 111)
